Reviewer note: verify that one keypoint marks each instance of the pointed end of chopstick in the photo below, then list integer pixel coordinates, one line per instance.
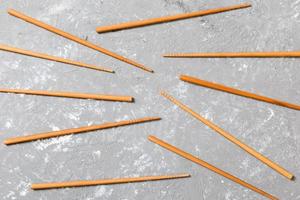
(148, 70)
(154, 118)
(105, 70)
(183, 175)
(245, 5)
(109, 71)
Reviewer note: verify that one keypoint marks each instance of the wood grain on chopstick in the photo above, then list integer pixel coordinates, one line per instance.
(208, 166)
(224, 88)
(128, 25)
(235, 54)
(29, 138)
(231, 138)
(75, 39)
(43, 186)
(69, 95)
(52, 58)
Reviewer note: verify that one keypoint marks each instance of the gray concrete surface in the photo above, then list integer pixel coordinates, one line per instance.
(272, 130)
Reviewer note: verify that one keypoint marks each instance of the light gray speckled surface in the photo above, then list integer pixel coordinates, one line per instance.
(272, 130)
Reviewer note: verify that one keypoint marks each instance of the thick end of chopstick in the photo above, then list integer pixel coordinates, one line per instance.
(8, 141)
(11, 11)
(152, 138)
(166, 95)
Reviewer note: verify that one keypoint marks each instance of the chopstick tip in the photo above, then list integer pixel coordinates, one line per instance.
(10, 11)
(151, 138)
(156, 118)
(185, 175)
(7, 142)
(292, 177)
(247, 5)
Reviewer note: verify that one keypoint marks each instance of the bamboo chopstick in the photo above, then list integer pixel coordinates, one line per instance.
(69, 95)
(43, 186)
(279, 54)
(75, 39)
(29, 138)
(224, 88)
(164, 19)
(209, 166)
(231, 138)
(52, 58)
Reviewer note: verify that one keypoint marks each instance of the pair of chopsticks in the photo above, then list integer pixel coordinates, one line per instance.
(52, 58)
(230, 137)
(146, 22)
(43, 186)
(75, 39)
(209, 166)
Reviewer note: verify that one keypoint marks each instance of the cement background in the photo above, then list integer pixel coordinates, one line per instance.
(274, 131)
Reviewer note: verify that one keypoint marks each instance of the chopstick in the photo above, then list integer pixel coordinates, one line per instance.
(230, 137)
(52, 58)
(43, 186)
(29, 138)
(164, 19)
(70, 95)
(224, 88)
(208, 166)
(292, 54)
(75, 39)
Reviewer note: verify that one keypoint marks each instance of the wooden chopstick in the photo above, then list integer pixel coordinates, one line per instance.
(75, 39)
(43, 186)
(209, 166)
(279, 54)
(128, 25)
(231, 138)
(69, 95)
(29, 138)
(224, 88)
(52, 58)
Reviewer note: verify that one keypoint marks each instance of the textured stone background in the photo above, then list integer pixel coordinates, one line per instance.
(272, 130)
